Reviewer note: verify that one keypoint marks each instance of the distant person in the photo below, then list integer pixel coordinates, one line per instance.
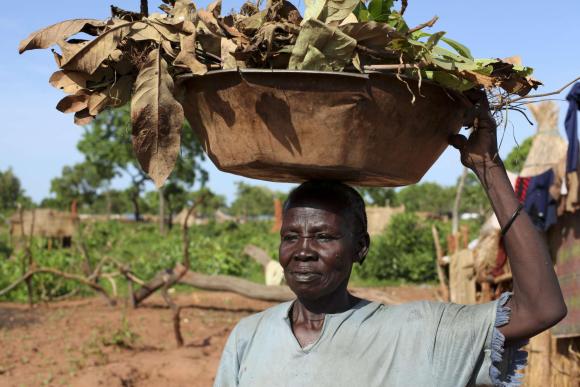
(328, 337)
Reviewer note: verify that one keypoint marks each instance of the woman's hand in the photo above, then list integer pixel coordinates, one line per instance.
(480, 150)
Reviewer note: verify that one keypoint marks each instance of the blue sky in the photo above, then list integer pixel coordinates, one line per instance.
(37, 141)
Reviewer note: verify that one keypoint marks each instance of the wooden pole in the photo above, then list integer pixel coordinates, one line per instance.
(144, 8)
(443, 289)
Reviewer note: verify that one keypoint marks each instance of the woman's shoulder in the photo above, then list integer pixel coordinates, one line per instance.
(267, 317)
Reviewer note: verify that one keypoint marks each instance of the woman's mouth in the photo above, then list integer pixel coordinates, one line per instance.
(305, 276)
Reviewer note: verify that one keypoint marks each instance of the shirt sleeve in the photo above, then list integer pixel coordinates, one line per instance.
(469, 347)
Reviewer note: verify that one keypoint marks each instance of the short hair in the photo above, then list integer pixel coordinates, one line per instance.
(328, 188)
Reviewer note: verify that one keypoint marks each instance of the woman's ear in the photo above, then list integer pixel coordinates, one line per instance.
(362, 247)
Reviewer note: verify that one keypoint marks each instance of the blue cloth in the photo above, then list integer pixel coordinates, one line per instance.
(539, 204)
(571, 125)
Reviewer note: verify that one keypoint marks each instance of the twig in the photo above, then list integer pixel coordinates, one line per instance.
(430, 23)
(390, 67)
(404, 4)
(383, 54)
(72, 277)
(510, 101)
(176, 311)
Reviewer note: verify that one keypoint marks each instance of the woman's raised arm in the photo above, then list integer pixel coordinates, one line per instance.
(537, 302)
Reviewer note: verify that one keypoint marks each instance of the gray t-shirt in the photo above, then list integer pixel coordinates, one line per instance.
(414, 344)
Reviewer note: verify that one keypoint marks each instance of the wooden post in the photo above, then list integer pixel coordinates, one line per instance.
(277, 215)
(443, 289)
(144, 8)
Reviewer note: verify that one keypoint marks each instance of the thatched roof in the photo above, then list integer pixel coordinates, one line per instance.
(548, 146)
(43, 222)
(378, 217)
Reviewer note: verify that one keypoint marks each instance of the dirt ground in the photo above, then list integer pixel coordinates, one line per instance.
(88, 343)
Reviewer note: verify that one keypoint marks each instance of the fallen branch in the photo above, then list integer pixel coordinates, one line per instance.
(258, 254)
(68, 276)
(237, 285)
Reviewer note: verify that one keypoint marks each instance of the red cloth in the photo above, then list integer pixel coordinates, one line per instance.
(522, 184)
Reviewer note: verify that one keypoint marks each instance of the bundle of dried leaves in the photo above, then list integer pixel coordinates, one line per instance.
(135, 57)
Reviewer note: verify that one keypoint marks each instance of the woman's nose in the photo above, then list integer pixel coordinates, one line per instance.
(305, 252)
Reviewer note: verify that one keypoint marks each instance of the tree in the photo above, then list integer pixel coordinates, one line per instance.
(107, 143)
(11, 192)
(376, 196)
(81, 182)
(474, 198)
(429, 197)
(210, 204)
(253, 201)
(113, 201)
(405, 251)
(515, 160)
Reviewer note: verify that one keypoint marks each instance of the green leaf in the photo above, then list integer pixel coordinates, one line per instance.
(329, 10)
(321, 47)
(396, 21)
(380, 10)
(361, 12)
(446, 79)
(460, 48)
(434, 39)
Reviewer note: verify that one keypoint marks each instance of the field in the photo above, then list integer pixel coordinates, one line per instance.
(85, 342)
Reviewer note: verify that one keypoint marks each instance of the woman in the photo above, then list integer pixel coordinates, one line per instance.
(328, 337)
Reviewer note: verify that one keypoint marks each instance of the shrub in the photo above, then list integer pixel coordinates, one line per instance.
(404, 251)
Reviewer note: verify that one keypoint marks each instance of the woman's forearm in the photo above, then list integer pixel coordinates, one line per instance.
(537, 303)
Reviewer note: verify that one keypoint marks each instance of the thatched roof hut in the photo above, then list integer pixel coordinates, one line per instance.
(548, 147)
(42, 222)
(379, 217)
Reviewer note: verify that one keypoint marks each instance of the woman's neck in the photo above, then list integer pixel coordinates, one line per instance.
(336, 302)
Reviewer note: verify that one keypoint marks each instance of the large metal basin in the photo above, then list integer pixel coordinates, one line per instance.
(290, 126)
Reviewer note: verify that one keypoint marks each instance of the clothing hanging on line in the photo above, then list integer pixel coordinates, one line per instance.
(534, 193)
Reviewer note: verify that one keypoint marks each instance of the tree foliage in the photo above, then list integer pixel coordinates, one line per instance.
(376, 196)
(515, 160)
(11, 192)
(405, 251)
(80, 182)
(107, 143)
(253, 201)
(428, 197)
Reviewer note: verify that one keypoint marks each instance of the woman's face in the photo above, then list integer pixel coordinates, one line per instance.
(317, 249)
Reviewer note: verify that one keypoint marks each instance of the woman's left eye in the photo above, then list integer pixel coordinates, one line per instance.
(324, 237)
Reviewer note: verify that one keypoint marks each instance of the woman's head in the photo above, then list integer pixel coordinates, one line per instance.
(323, 233)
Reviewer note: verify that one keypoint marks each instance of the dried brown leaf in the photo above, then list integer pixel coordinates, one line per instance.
(187, 57)
(116, 95)
(157, 118)
(168, 31)
(69, 81)
(210, 22)
(74, 103)
(228, 47)
(83, 117)
(321, 47)
(183, 10)
(141, 31)
(50, 35)
(90, 57)
(369, 34)
(215, 8)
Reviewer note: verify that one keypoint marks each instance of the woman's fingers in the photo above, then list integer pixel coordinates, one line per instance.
(458, 141)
